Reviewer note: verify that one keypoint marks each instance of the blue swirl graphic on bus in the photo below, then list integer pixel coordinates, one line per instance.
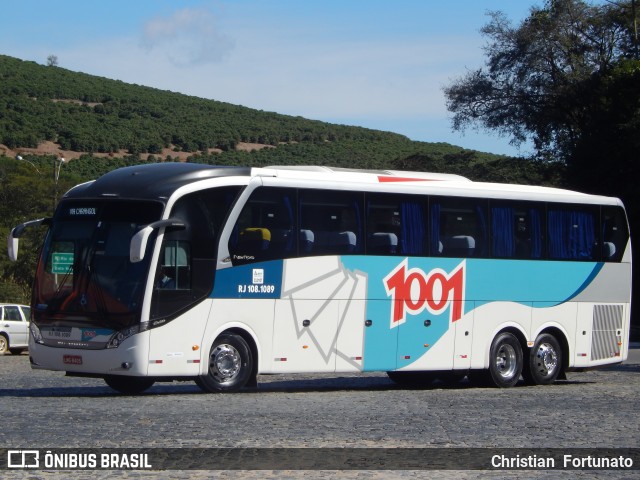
(480, 282)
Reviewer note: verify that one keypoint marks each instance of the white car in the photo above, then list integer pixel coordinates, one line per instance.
(14, 328)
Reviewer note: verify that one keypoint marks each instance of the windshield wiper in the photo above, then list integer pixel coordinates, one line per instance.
(63, 282)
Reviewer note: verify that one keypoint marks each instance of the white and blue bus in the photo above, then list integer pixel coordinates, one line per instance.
(180, 271)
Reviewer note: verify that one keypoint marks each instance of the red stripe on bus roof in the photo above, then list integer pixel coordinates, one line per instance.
(404, 179)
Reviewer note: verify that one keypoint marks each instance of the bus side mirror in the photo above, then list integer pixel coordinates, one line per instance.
(12, 247)
(16, 233)
(138, 245)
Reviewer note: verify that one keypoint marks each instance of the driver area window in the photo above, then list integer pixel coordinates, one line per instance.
(175, 270)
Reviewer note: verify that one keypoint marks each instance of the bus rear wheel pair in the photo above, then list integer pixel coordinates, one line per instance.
(539, 365)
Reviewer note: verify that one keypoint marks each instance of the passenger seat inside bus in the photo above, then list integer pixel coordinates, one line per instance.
(253, 241)
(382, 243)
(306, 240)
(334, 242)
(459, 246)
(608, 250)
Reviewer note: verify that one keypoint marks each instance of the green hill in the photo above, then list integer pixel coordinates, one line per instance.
(110, 123)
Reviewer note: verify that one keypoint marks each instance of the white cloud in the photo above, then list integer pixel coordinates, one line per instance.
(188, 37)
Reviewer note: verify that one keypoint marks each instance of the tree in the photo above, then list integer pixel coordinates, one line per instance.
(52, 61)
(540, 77)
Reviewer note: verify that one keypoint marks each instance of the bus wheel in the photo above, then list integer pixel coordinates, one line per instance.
(505, 361)
(230, 365)
(545, 361)
(130, 385)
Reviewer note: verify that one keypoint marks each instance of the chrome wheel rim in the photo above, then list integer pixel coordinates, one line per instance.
(546, 359)
(225, 363)
(506, 361)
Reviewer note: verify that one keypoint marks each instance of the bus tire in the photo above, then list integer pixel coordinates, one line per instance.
(545, 361)
(230, 365)
(129, 385)
(505, 361)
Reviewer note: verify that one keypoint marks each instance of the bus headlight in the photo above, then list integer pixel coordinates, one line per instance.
(122, 335)
(35, 333)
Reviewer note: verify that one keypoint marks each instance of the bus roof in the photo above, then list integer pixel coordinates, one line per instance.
(381, 175)
(160, 181)
(433, 184)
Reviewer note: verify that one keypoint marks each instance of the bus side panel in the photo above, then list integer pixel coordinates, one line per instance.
(450, 349)
(176, 348)
(411, 308)
(603, 318)
(351, 327)
(601, 335)
(316, 313)
(464, 340)
(380, 341)
(304, 335)
(252, 315)
(491, 318)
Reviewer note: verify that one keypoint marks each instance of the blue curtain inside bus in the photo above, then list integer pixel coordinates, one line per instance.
(413, 229)
(571, 235)
(503, 241)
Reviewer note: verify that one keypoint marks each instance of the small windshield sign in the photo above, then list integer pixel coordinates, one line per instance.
(82, 211)
(61, 262)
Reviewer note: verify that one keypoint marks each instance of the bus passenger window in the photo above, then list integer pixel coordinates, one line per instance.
(516, 230)
(330, 222)
(458, 227)
(396, 225)
(615, 234)
(265, 228)
(572, 233)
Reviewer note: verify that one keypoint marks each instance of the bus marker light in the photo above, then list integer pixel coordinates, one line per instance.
(529, 344)
(426, 345)
(582, 354)
(193, 361)
(155, 361)
(407, 357)
(280, 359)
(195, 348)
(304, 347)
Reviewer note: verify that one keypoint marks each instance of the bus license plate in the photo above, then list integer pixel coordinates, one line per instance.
(72, 359)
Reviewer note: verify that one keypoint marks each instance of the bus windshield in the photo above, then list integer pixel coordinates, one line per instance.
(84, 275)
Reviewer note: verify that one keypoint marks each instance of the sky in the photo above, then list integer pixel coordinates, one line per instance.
(378, 64)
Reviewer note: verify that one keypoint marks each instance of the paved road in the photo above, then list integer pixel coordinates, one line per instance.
(43, 409)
